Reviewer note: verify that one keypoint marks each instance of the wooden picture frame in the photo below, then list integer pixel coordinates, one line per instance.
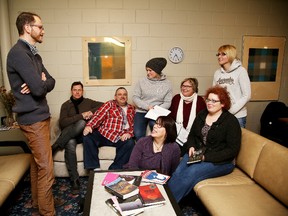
(106, 61)
(263, 59)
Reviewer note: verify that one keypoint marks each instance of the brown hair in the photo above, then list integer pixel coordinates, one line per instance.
(23, 19)
(222, 93)
(193, 82)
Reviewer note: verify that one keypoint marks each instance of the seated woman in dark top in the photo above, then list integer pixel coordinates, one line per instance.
(159, 150)
(217, 132)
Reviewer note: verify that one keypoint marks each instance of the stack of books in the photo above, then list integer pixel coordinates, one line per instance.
(152, 176)
(122, 188)
(130, 198)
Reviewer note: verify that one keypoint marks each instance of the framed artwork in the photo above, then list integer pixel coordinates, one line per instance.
(263, 59)
(106, 61)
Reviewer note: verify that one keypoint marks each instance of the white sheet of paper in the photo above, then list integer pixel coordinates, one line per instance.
(156, 112)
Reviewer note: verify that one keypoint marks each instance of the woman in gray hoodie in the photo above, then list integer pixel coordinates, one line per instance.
(234, 77)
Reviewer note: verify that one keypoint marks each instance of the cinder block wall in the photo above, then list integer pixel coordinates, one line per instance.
(198, 26)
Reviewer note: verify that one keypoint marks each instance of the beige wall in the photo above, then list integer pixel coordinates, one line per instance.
(198, 26)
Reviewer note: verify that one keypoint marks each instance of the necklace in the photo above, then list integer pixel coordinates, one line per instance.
(158, 149)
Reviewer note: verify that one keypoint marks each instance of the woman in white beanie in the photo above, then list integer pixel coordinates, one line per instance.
(152, 90)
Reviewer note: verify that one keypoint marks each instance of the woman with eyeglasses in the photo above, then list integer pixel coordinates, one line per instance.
(217, 133)
(184, 107)
(159, 150)
(234, 77)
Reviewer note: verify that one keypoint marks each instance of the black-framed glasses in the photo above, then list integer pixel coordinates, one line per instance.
(221, 54)
(212, 101)
(38, 26)
(158, 124)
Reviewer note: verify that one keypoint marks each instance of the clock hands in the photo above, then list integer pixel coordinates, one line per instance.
(176, 57)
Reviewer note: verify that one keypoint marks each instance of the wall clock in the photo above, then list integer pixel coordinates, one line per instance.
(176, 55)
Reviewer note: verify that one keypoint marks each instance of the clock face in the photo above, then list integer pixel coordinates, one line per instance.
(176, 55)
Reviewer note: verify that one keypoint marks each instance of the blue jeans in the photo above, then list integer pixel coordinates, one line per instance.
(186, 176)
(140, 125)
(68, 139)
(242, 122)
(94, 140)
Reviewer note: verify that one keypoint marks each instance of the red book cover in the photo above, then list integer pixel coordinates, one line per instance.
(151, 195)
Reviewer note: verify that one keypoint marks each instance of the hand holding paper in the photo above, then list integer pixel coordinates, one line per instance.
(156, 112)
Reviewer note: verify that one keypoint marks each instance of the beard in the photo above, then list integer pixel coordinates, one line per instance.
(37, 37)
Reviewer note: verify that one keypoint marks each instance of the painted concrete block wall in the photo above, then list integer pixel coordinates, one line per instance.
(198, 26)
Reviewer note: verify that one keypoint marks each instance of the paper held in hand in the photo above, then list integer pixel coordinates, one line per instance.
(156, 112)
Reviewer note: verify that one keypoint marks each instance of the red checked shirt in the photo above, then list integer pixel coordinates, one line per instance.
(108, 119)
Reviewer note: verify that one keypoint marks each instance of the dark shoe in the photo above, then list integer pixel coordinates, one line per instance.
(58, 202)
(75, 186)
(55, 147)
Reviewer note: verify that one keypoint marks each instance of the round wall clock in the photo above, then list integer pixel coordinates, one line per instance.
(176, 55)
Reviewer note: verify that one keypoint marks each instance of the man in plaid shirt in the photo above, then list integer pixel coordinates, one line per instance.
(110, 125)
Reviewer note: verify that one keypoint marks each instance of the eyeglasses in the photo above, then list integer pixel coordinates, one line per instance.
(38, 26)
(221, 54)
(158, 124)
(186, 86)
(212, 101)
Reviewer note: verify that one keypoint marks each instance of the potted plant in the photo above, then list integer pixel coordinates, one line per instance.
(8, 101)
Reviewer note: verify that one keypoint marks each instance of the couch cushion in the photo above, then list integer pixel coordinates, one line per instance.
(6, 188)
(13, 167)
(239, 200)
(251, 147)
(105, 153)
(237, 177)
(272, 170)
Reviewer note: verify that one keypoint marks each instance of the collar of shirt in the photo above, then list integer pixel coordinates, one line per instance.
(32, 47)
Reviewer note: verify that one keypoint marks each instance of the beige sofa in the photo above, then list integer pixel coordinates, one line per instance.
(106, 155)
(257, 186)
(14, 161)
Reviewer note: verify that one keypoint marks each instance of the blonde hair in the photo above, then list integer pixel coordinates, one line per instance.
(230, 51)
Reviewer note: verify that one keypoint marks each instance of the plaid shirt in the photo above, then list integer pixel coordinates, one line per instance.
(108, 119)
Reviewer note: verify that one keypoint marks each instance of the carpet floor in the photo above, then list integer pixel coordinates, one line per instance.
(21, 203)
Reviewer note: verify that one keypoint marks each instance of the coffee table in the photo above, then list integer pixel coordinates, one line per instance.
(97, 195)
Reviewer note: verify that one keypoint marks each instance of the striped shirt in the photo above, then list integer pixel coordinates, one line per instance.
(109, 121)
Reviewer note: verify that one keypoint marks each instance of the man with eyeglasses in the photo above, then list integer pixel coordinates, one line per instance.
(30, 83)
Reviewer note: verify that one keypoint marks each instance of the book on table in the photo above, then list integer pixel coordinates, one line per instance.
(130, 206)
(121, 188)
(151, 195)
(132, 179)
(152, 176)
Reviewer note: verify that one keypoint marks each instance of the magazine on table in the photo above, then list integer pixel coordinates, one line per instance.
(130, 206)
(132, 179)
(153, 176)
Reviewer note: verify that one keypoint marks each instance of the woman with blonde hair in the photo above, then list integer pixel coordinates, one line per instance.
(234, 77)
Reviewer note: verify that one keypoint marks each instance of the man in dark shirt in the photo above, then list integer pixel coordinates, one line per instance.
(30, 83)
(73, 116)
